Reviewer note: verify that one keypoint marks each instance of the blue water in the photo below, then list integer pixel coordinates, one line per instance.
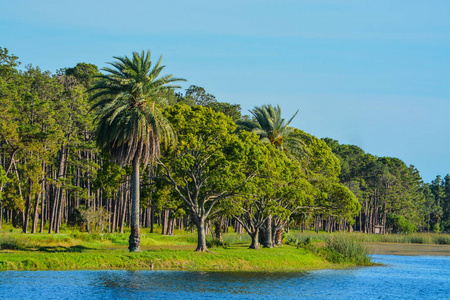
(402, 277)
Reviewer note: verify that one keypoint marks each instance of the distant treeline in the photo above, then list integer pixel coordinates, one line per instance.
(52, 174)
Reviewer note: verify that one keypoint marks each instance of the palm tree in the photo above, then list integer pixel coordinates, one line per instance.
(130, 123)
(272, 128)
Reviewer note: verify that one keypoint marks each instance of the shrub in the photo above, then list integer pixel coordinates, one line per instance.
(401, 224)
(341, 249)
(416, 239)
(216, 243)
(87, 237)
(442, 240)
(298, 242)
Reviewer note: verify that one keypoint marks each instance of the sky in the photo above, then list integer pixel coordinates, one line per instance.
(375, 74)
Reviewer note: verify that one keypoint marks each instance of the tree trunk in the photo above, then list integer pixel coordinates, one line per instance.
(267, 242)
(57, 195)
(255, 238)
(152, 219)
(218, 229)
(135, 237)
(27, 212)
(201, 241)
(41, 229)
(165, 222)
(36, 213)
(124, 208)
(278, 239)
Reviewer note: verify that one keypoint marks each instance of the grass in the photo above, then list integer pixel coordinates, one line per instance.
(231, 259)
(339, 248)
(72, 250)
(415, 238)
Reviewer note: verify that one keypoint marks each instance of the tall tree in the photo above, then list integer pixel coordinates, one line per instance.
(209, 165)
(130, 124)
(268, 124)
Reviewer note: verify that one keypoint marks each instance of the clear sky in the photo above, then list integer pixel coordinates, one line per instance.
(370, 73)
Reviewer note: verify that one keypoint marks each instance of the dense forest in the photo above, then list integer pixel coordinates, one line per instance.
(62, 162)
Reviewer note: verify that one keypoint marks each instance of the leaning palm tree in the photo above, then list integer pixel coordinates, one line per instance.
(130, 124)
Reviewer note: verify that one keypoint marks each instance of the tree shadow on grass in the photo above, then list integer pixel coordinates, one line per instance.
(76, 248)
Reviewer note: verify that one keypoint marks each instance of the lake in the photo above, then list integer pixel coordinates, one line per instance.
(401, 277)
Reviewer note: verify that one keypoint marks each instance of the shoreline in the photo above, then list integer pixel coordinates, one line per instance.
(408, 249)
(236, 259)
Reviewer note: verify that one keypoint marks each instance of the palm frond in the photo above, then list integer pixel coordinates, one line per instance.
(130, 123)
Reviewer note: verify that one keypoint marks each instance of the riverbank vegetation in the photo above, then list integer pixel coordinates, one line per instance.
(414, 238)
(81, 149)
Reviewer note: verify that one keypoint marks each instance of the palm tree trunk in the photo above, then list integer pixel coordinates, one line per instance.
(134, 242)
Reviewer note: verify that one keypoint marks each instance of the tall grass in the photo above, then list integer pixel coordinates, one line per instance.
(415, 238)
(340, 249)
(13, 243)
(336, 248)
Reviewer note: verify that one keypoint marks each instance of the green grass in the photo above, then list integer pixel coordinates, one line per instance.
(285, 258)
(72, 249)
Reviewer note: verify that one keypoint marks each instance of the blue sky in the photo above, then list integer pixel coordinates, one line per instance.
(370, 73)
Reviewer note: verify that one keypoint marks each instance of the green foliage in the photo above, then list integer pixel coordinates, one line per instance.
(96, 219)
(299, 242)
(401, 224)
(196, 95)
(84, 73)
(436, 228)
(76, 218)
(268, 124)
(442, 240)
(87, 237)
(109, 177)
(214, 243)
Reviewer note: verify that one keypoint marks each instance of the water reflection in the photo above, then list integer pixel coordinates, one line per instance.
(402, 277)
(234, 283)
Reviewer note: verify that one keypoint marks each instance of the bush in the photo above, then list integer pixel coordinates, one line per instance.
(216, 243)
(442, 240)
(436, 228)
(400, 224)
(75, 219)
(416, 239)
(87, 237)
(341, 249)
(298, 242)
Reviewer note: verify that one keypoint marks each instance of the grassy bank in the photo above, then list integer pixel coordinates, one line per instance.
(231, 259)
(73, 250)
